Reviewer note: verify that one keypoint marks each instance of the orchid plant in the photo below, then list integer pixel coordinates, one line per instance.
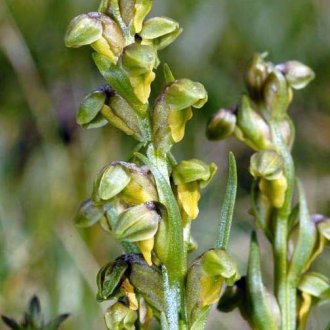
(149, 202)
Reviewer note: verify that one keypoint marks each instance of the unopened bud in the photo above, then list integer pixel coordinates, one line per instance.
(89, 214)
(256, 75)
(221, 125)
(160, 32)
(251, 127)
(268, 166)
(110, 182)
(88, 115)
(179, 96)
(185, 93)
(297, 74)
(277, 94)
(97, 30)
(109, 279)
(84, 30)
(193, 170)
(205, 279)
(120, 317)
(122, 116)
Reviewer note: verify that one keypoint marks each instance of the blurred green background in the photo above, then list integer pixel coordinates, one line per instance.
(47, 163)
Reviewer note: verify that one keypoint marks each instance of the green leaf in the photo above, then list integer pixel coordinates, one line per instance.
(55, 324)
(10, 323)
(169, 77)
(306, 240)
(227, 209)
(148, 282)
(200, 322)
(262, 316)
(119, 81)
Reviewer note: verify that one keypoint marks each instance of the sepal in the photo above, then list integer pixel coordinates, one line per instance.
(160, 32)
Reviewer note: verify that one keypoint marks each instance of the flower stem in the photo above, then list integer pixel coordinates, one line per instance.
(285, 293)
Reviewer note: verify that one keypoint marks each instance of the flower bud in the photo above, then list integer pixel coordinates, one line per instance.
(89, 115)
(84, 30)
(221, 125)
(297, 74)
(120, 317)
(274, 190)
(193, 170)
(138, 223)
(277, 94)
(97, 30)
(139, 62)
(168, 122)
(110, 278)
(130, 273)
(131, 184)
(205, 279)
(266, 164)
(122, 116)
(185, 93)
(251, 127)
(89, 214)
(256, 75)
(141, 189)
(160, 32)
(110, 182)
(190, 176)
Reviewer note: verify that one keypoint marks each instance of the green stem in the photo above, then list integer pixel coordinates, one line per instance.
(285, 293)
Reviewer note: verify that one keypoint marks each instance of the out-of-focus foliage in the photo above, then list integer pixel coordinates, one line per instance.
(47, 163)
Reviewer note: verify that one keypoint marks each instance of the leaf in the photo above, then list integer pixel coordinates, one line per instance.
(306, 240)
(119, 81)
(169, 77)
(201, 320)
(262, 316)
(55, 323)
(10, 323)
(227, 209)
